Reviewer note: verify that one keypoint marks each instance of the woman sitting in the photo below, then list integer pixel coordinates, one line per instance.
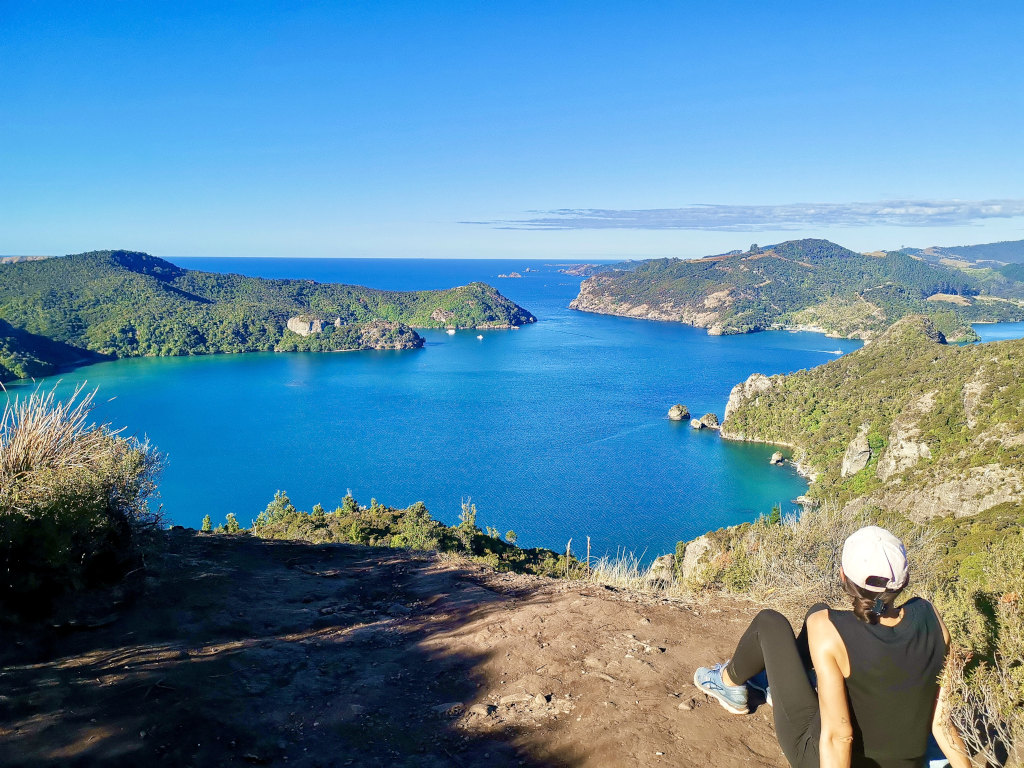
(877, 667)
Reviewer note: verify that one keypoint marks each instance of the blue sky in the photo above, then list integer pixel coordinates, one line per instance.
(535, 130)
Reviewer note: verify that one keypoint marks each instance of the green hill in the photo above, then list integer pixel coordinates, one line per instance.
(1006, 252)
(907, 423)
(108, 304)
(808, 284)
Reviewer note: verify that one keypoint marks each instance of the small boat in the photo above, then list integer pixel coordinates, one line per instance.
(451, 331)
(480, 336)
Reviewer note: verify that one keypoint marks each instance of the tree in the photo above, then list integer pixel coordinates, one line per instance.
(207, 524)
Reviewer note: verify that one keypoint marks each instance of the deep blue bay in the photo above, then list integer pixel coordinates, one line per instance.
(556, 430)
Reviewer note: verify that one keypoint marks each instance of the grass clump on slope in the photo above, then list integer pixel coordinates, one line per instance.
(73, 495)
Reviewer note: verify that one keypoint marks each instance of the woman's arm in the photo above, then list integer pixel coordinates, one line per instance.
(826, 646)
(945, 733)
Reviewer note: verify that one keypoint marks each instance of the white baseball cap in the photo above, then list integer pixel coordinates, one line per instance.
(875, 560)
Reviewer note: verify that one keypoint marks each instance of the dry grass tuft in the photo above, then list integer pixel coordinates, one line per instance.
(73, 498)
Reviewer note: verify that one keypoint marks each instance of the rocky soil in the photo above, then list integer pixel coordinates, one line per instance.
(245, 652)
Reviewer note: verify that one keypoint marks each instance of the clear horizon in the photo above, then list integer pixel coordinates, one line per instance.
(570, 131)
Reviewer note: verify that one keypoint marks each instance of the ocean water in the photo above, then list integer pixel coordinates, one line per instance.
(557, 430)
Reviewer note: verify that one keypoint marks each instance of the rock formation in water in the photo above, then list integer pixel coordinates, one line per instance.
(678, 412)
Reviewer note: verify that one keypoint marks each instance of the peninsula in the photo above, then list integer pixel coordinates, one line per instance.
(108, 304)
(907, 424)
(811, 285)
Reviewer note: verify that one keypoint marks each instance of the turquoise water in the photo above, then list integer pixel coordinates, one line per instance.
(999, 331)
(556, 430)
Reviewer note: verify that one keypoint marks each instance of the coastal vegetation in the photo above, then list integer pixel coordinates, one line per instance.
(108, 304)
(73, 501)
(907, 423)
(806, 283)
(409, 528)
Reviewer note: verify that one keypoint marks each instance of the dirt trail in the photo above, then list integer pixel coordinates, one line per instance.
(248, 652)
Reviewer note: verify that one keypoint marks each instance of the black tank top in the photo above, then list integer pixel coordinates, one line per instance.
(893, 683)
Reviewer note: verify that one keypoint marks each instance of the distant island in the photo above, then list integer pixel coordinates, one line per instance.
(100, 305)
(810, 285)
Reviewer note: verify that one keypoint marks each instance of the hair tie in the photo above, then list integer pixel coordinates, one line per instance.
(879, 607)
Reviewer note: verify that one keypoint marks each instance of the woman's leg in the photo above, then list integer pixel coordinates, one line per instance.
(769, 644)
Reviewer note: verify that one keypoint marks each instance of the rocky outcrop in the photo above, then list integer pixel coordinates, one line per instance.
(593, 299)
(972, 393)
(974, 491)
(777, 459)
(381, 334)
(756, 384)
(304, 326)
(694, 556)
(678, 412)
(663, 569)
(707, 421)
(904, 448)
(710, 420)
(858, 453)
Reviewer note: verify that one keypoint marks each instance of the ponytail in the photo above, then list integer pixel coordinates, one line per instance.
(868, 606)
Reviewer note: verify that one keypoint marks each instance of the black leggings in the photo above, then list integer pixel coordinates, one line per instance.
(768, 644)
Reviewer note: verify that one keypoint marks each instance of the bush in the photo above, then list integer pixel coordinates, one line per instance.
(411, 528)
(72, 500)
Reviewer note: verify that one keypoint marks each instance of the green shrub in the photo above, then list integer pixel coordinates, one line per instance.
(73, 499)
(411, 528)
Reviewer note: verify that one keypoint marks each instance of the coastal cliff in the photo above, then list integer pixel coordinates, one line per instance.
(809, 285)
(906, 424)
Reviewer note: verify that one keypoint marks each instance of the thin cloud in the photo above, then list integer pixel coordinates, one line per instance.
(753, 218)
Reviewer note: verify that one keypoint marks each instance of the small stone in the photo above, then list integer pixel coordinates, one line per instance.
(687, 705)
(515, 698)
(449, 708)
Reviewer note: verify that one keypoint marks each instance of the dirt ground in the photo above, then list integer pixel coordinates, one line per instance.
(248, 652)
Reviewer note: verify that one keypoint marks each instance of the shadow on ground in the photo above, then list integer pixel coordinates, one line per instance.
(248, 652)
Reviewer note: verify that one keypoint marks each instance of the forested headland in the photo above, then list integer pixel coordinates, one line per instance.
(108, 304)
(809, 284)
